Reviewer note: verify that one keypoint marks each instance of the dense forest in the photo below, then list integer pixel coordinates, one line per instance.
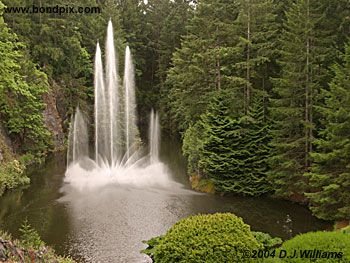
(257, 90)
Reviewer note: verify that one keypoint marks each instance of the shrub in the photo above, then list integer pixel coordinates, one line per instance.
(192, 147)
(204, 238)
(317, 241)
(267, 241)
(12, 175)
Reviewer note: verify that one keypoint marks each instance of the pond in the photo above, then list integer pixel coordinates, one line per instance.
(110, 223)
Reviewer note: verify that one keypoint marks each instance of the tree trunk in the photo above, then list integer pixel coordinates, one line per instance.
(247, 62)
(307, 98)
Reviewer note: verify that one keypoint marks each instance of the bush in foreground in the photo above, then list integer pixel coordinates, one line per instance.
(319, 247)
(213, 238)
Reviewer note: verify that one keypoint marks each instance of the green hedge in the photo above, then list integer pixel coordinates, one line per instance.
(320, 244)
(213, 238)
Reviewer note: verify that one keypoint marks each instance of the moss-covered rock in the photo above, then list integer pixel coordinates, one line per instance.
(202, 185)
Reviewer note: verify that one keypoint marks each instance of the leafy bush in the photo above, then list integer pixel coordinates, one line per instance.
(12, 175)
(316, 241)
(204, 238)
(267, 241)
(192, 146)
(29, 159)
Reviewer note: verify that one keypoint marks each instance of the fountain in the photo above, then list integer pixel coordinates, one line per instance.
(119, 156)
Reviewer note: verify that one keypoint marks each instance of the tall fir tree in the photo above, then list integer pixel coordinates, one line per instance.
(223, 155)
(256, 140)
(235, 150)
(330, 175)
(203, 65)
(257, 33)
(303, 67)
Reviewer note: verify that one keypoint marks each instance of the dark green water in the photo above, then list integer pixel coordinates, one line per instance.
(109, 224)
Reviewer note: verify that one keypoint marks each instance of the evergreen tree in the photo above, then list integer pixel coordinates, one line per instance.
(256, 141)
(257, 30)
(234, 151)
(223, 156)
(330, 176)
(303, 68)
(203, 65)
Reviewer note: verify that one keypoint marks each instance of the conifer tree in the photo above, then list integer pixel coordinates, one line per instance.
(203, 65)
(235, 150)
(330, 175)
(223, 156)
(302, 59)
(257, 30)
(256, 140)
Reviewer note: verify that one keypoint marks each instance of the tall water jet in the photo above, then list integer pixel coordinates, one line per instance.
(112, 97)
(101, 129)
(78, 146)
(154, 137)
(70, 141)
(131, 131)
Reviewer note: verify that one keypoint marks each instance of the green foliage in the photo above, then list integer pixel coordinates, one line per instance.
(267, 241)
(223, 155)
(330, 176)
(29, 237)
(255, 61)
(232, 152)
(203, 64)
(322, 241)
(12, 175)
(192, 146)
(228, 49)
(54, 43)
(28, 158)
(204, 238)
(303, 53)
(21, 90)
(63, 47)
